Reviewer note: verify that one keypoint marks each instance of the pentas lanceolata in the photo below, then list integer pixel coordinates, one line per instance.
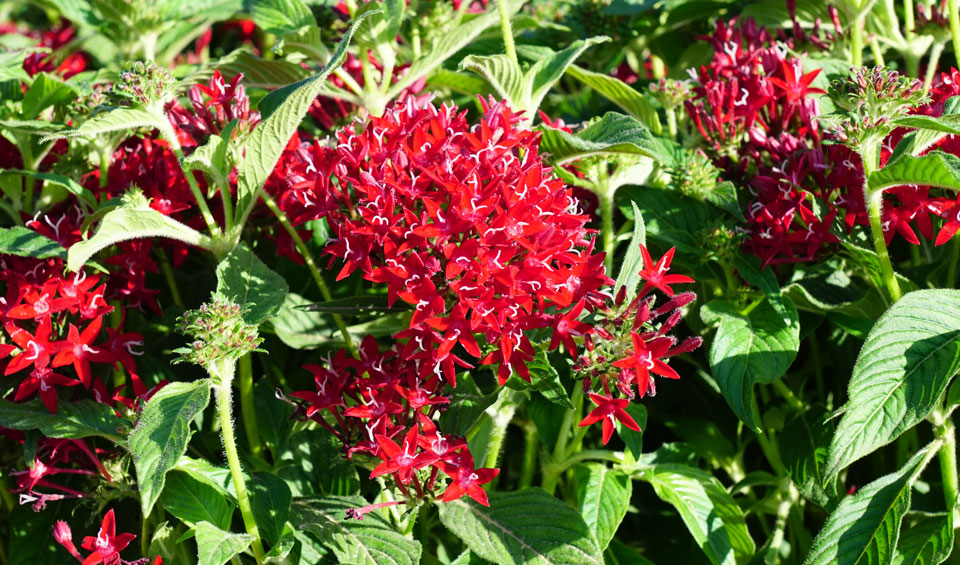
(104, 548)
(470, 228)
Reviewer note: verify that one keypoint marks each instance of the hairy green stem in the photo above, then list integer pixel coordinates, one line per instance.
(672, 122)
(870, 156)
(500, 413)
(247, 405)
(877, 53)
(171, 138)
(772, 555)
(507, 31)
(788, 395)
(948, 466)
(311, 265)
(167, 271)
(908, 18)
(223, 372)
(531, 446)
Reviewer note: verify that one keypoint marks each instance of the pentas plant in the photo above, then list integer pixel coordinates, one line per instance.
(447, 282)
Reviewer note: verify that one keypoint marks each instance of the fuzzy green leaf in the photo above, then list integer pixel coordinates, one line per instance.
(120, 119)
(620, 93)
(865, 527)
(246, 280)
(280, 17)
(603, 495)
(925, 539)
(613, 134)
(162, 433)
(503, 74)
(803, 447)
(216, 546)
(371, 541)
(527, 526)
(749, 268)
(45, 91)
(748, 349)
(282, 111)
(134, 219)
(24, 242)
(712, 516)
(82, 418)
(905, 365)
(936, 169)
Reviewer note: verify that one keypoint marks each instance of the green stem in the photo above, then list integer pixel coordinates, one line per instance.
(908, 21)
(869, 155)
(550, 478)
(311, 265)
(507, 31)
(171, 138)
(223, 372)
(606, 219)
(227, 208)
(788, 395)
(104, 167)
(586, 455)
(248, 407)
(877, 53)
(531, 446)
(951, 281)
(948, 466)
(29, 186)
(856, 40)
(771, 557)
(768, 444)
(167, 271)
(500, 413)
(954, 14)
(672, 122)
(932, 62)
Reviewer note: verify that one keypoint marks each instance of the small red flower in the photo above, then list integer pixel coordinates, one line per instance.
(609, 410)
(656, 273)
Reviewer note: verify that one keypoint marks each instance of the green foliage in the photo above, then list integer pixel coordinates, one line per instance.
(510, 529)
(23, 242)
(247, 281)
(83, 418)
(613, 134)
(216, 546)
(603, 496)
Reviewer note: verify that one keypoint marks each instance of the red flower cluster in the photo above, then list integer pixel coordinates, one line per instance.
(105, 548)
(465, 224)
(45, 61)
(52, 457)
(379, 400)
(55, 321)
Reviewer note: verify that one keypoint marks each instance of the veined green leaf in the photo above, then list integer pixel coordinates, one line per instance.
(282, 111)
(748, 349)
(527, 526)
(503, 74)
(621, 94)
(193, 501)
(280, 17)
(925, 539)
(613, 134)
(547, 70)
(803, 448)
(45, 91)
(905, 365)
(68, 183)
(749, 268)
(270, 498)
(269, 74)
(246, 280)
(917, 141)
(371, 541)
(937, 169)
(82, 418)
(712, 516)
(119, 119)
(132, 220)
(865, 527)
(604, 495)
(162, 433)
(216, 546)
(24, 242)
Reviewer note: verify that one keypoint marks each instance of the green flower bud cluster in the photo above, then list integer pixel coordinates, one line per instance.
(219, 332)
(694, 174)
(868, 99)
(670, 93)
(146, 84)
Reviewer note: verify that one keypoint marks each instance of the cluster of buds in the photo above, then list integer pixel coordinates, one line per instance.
(670, 93)
(694, 174)
(870, 99)
(145, 84)
(219, 333)
(103, 549)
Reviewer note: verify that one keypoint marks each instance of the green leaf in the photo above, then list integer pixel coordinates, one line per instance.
(280, 17)
(632, 438)
(193, 501)
(83, 418)
(68, 183)
(467, 404)
(620, 93)
(45, 91)
(282, 111)
(931, 123)
(120, 119)
(603, 496)
(544, 379)
(925, 539)
(371, 541)
(712, 516)
(724, 196)
(211, 158)
(209, 474)
(134, 219)
(749, 349)
(447, 45)
(504, 75)
(917, 141)
(749, 268)
(864, 527)
(246, 280)
(803, 447)
(353, 306)
(527, 526)
(629, 275)
(269, 74)
(541, 77)
(936, 169)
(834, 292)
(905, 365)
(313, 465)
(162, 433)
(270, 498)
(613, 134)
(216, 546)
(24, 242)
(671, 219)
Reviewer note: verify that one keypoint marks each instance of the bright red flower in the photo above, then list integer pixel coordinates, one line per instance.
(466, 481)
(655, 274)
(106, 547)
(402, 460)
(609, 410)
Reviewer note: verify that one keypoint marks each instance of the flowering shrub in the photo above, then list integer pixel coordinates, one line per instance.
(285, 282)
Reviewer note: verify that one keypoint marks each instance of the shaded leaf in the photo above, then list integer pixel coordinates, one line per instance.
(24, 242)
(244, 279)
